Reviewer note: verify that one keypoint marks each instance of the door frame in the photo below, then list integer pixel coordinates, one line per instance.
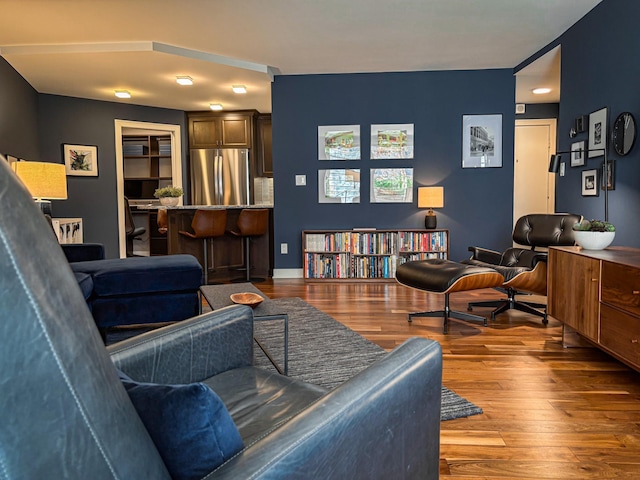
(551, 179)
(176, 166)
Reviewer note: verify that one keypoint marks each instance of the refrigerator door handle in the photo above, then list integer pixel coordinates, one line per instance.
(220, 178)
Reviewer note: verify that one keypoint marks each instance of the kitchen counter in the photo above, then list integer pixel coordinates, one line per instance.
(226, 254)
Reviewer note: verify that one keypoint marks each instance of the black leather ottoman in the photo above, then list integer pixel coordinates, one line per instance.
(445, 276)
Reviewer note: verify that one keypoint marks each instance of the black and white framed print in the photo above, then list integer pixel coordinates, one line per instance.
(608, 174)
(597, 133)
(481, 141)
(577, 154)
(590, 183)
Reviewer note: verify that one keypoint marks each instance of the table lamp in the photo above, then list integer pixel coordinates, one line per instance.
(430, 197)
(45, 181)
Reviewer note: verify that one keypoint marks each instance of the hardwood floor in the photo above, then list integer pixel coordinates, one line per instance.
(549, 412)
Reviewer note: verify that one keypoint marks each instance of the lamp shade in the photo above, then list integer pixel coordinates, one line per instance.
(430, 197)
(44, 180)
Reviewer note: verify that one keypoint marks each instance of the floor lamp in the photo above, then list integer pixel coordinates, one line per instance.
(554, 167)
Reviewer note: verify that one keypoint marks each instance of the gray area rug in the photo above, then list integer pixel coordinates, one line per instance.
(324, 352)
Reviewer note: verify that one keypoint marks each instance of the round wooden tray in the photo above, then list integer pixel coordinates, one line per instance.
(247, 298)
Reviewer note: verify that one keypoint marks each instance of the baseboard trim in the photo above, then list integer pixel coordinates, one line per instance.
(287, 273)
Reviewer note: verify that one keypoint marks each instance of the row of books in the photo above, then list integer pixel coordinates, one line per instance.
(327, 266)
(344, 265)
(420, 241)
(378, 243)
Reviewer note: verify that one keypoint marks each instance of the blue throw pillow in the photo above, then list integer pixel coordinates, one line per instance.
(189, 424)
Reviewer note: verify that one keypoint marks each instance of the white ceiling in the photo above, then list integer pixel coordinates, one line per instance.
(89, 48)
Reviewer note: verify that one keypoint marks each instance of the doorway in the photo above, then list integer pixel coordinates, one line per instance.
(127, 127)
(533, 185)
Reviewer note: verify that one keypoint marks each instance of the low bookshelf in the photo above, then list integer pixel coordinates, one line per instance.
(367, 254)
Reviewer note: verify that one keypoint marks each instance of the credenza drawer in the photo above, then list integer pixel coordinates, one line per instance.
(620, 286)
(620, 333)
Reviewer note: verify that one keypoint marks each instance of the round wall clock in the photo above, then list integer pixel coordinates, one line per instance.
(624, 133)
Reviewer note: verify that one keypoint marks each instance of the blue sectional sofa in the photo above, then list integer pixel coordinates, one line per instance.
(135, 290)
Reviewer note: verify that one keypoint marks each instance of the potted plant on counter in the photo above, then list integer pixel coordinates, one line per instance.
(594, 234)
(169, 196)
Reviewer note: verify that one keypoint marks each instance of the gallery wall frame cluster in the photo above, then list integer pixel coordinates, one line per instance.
(596, 145)
(387, 142)
(481, 148)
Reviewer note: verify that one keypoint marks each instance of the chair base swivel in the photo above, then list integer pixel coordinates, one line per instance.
(447, 313)
(511, 303)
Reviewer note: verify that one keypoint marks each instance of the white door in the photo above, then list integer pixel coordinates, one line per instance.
(533, 185)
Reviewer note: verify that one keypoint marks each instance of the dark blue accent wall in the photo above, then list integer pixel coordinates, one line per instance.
(478, 202)
(18, 115)
(601, 68)
(89, 122)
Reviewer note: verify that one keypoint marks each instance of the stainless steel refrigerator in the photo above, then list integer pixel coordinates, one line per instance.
(220, 176)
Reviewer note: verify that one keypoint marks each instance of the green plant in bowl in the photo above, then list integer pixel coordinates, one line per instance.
(168, 191)
(594, 226)
(594, 234)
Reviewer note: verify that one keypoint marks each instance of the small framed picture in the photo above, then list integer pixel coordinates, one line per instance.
(590, 183)
(577, 154)
(481, 141)
(597, 133)
(81, 160)
(609, 175)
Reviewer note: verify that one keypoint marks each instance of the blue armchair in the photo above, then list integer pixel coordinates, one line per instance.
(383, 423)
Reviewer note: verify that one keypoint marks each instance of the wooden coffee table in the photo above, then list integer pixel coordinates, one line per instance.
(218, 296)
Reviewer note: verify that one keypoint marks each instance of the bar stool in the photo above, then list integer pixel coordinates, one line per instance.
(207, 224)
(162, 221)
(252, 222)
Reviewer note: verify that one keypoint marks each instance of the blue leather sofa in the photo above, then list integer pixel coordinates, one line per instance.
(135, 290)
(63, 399)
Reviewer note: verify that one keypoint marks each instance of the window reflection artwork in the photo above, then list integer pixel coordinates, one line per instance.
(392, 141)
(339, 186)
(391, 185)
(339, 142)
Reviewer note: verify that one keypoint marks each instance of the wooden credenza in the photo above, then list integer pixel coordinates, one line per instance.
(597, 294)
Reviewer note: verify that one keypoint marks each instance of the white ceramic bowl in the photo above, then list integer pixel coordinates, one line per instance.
(594, 240)
(169, 201)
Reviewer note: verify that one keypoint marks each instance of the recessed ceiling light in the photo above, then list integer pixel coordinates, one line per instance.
(184, 80)
(215, 106)
(541, 91)
(239, 89)
(123, 94)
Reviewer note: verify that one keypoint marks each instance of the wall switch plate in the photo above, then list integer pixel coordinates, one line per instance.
(284, 248)
(562, 169)
(301, 180)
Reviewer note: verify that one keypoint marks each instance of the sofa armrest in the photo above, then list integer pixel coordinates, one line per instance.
(485, 255)
(83, 252)
(191, 350)
(383, 423)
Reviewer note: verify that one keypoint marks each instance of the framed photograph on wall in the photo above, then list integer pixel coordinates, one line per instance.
(608, 175)
(339, 142)
(577, 154)
(391, 185)
(481, 141)
(590, 183)
(392, 141)
(597, 133)
(339, 185)
(81, 160)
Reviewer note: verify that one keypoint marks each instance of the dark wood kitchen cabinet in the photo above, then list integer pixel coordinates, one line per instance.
(265, 158)
(214, 130)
